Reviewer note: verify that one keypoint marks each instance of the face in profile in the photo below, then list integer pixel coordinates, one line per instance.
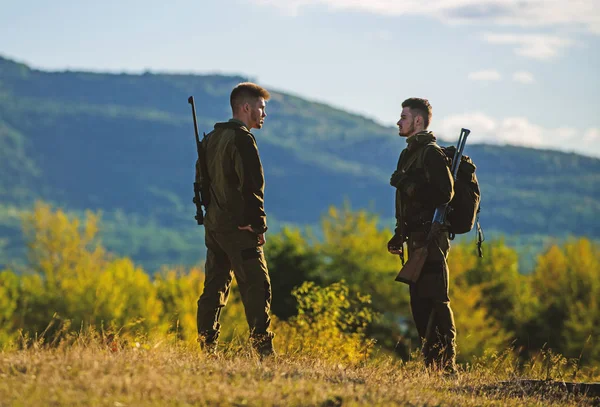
(406, 124)
(257, 113)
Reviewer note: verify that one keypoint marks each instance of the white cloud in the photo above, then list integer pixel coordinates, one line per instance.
(580, 14)
(487, 75)
(592, 136)
(520, 131)
(531, 45)
(523, 77)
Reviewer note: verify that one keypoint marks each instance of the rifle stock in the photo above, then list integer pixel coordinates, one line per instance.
(411, 271)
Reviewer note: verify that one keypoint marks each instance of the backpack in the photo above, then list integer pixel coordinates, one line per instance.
(464, 208)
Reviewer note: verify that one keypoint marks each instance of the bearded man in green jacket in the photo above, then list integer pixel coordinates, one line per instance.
(235, 221)
(423, 182)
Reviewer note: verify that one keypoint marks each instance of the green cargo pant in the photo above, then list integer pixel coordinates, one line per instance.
(228, 254)
(430, 304)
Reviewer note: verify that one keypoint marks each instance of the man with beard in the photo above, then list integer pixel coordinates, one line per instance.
(235, 221)
(423, 181)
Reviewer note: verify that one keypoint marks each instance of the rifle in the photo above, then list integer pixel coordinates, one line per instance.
(411, 271)
(201, 193)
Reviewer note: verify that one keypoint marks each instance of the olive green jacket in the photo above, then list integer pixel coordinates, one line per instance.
(423, 182)
(236, 179)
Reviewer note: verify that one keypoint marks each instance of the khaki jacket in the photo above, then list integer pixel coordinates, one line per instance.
(423, 182)
(236, 179)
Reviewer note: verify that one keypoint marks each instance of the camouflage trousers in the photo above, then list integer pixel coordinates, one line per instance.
(228, 254)
(430, 304)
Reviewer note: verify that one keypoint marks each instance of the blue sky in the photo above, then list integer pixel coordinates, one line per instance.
(514, 71)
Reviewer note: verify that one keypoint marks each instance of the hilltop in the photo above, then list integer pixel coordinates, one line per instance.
(123, 144)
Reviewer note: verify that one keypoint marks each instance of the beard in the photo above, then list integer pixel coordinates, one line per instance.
(407, 130)
(256, 120)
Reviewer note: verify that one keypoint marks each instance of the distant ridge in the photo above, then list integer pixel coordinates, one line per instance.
(123, 144)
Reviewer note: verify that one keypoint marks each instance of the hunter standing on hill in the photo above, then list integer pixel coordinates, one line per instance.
(423, 182)
(235, 221)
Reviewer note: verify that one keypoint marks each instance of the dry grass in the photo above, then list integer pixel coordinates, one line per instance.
(88, 373)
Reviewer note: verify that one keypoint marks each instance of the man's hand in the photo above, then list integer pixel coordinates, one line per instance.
(396, 245)
(261, 236)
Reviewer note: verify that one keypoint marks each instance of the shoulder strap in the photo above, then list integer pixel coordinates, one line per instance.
(409, 163)
(424, 151)
(419, 157)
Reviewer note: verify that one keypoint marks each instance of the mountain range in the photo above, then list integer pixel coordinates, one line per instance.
(123, 144)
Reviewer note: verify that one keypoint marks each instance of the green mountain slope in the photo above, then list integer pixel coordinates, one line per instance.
(123, 144)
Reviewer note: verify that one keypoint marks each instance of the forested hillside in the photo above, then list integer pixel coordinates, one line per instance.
(123, 144)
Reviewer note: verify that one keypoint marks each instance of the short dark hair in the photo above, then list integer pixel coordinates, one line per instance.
(420, 107)
(245, 91)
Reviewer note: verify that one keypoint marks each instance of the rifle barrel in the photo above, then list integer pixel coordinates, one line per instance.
(191, 102)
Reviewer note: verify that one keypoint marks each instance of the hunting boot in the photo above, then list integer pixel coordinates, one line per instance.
(449, 359)
(263, 345)
(208, 343)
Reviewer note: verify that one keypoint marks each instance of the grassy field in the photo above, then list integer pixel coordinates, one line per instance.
(155, 373)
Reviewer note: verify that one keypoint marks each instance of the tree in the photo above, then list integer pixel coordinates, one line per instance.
(9, 295)
(504, 291)
(354, 249)
(477, 329)
(292, 261)
(567, 285)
